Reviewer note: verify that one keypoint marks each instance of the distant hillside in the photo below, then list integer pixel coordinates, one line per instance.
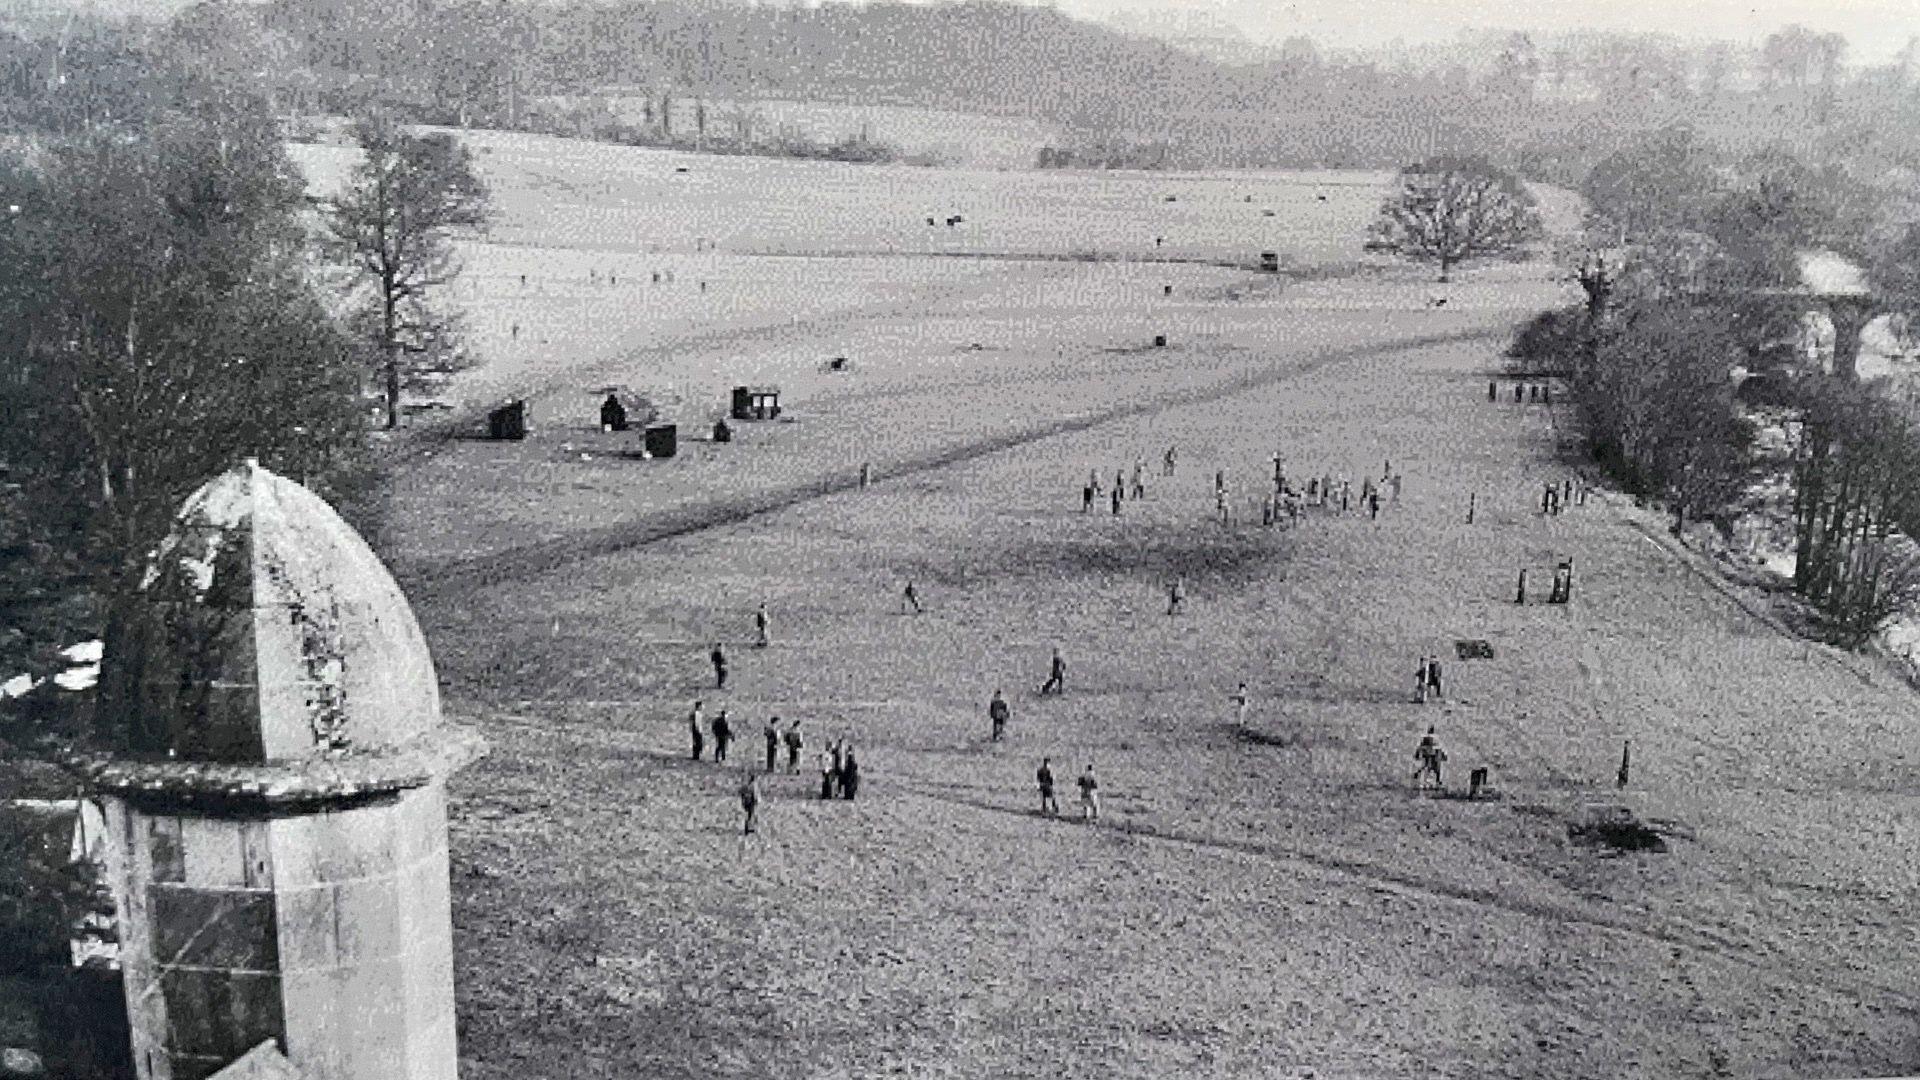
(1551, 107)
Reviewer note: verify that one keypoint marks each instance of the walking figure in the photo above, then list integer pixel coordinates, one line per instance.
(719, 659)
(998, 712)
(696, 727)
(1086, 499)
(1048, 804)
(761, 638)
(1139, 478)
(750, 799)
(1240, 700)
(794, 743)
(1433, 676)
(1056, 676)
(1430, 757)
(722, 735)
(773, 743)
(1420, 682)
(1089, 795)
(1166, 462)
(910, 598)
(1176, 595)
(1116, 502)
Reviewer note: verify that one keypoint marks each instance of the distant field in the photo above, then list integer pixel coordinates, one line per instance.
(1262, 902)
(966, 140)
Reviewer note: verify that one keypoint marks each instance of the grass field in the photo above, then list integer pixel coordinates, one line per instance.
(1271, 901)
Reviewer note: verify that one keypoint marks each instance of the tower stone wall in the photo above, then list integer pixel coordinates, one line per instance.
(277, 806)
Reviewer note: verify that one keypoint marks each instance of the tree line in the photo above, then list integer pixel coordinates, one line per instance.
(1547, 106)
(1690, 364)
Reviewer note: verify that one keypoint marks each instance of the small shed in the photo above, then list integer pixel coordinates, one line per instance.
(661, 440)
(509, 421)
(755, 402)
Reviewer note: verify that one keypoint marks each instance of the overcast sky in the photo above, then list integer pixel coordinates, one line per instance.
(1875, 28)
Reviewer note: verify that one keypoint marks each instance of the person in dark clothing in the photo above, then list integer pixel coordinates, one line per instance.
(750, 799)
(910, 597)
(1048, 804)
(722, 735)
(849, 775)
(772, 735)
(1056, 676)
(1086, 499)
(999, 713)
(1433, 677)
(793, 747)
(829, 776)
(1116, 502)
(719, 659)
(696, 726)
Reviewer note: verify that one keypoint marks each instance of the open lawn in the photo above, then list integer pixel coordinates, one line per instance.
(1266, 901)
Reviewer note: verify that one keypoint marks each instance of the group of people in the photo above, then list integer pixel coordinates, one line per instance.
(1121, 490)
(1089, 791)
(839, 766)
(1556, 497)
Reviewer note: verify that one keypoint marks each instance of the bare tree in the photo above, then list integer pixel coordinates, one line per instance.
(392, 225)
(1449, 210)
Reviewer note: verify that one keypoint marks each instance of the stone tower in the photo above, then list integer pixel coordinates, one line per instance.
(276, 803)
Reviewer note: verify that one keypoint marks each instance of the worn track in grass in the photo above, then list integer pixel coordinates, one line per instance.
(530, 561)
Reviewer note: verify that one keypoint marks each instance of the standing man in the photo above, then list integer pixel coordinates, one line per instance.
(793, 747)
(909, 598)
(1220, 504)
(1086, 498)
(760, 626)
(750, 798)
(722, 735)
(998, 712)
(697, 727)
(1166, 462)
(1139, 478)
(1240, 699)
(1116, 500)
(772, 735)
(1176, 595)
(1429, 757)
(849, 774)
(1089, 795)
(719, 659)
(1420, 682)
(1048, 804)
(1056, 676)
(1433, 677)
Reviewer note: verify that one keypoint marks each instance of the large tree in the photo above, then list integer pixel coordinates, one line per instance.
(1449, 210)
(393, 225)
(162, 326)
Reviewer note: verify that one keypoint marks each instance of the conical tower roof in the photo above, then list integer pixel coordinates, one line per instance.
(265, 630)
